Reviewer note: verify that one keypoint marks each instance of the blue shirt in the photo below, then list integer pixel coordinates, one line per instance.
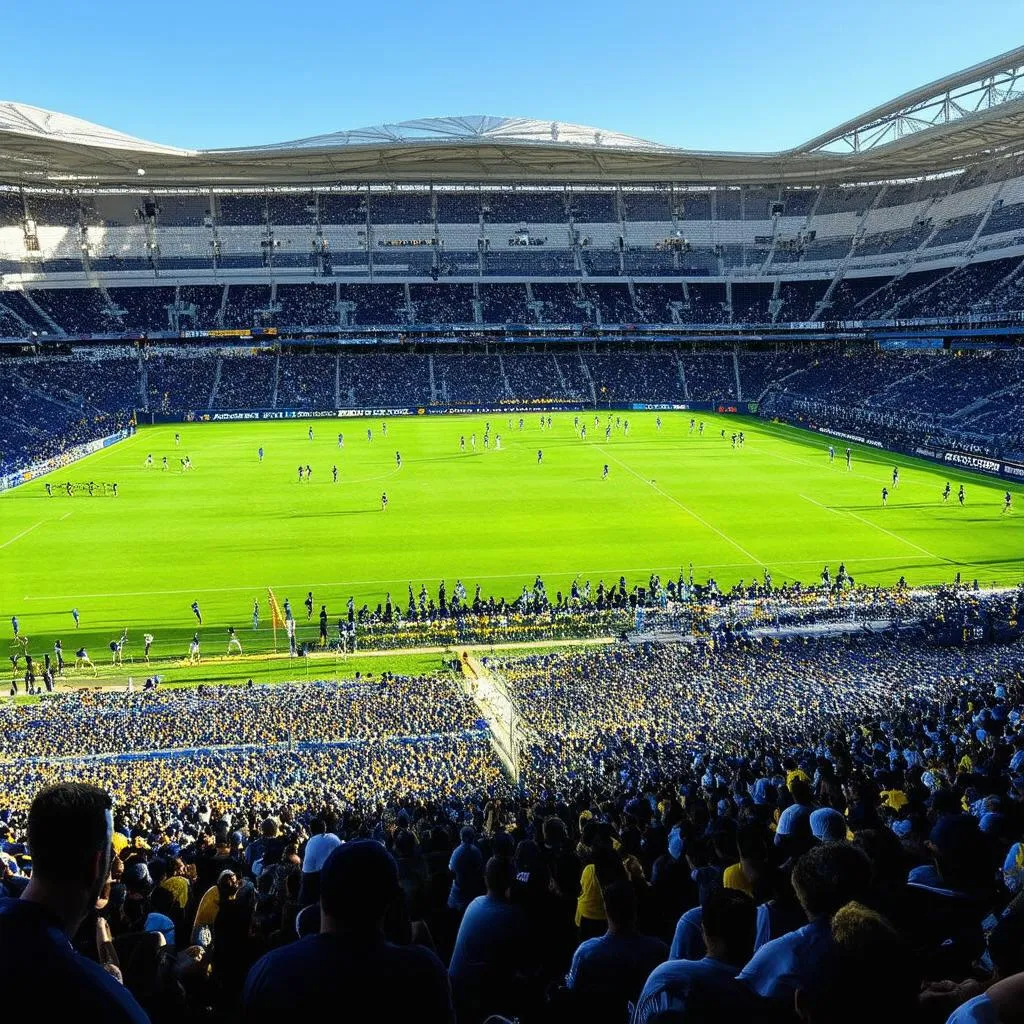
(493, 942)
(303, 980)
(789, 962)
(979, 1010)
(60, 983)
(615, 966)
(706, 989)
(688, 940)
(467, 865)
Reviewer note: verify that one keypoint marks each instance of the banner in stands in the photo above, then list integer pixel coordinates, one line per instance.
(73, 454)
(966, 460)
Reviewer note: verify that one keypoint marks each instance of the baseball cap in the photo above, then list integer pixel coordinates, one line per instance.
(828, 825)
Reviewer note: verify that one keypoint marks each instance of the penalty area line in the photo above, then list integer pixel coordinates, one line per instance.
(700, 519)
(22, 534)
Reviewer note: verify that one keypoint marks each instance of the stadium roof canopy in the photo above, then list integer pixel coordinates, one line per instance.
(935, 129)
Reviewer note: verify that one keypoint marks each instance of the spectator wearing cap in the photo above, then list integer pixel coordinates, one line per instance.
(608, 972)
(491, 949)
(350, 955)
(825, 878)
(827, 825)
(69, 835)
(707, 989)
(319, 847)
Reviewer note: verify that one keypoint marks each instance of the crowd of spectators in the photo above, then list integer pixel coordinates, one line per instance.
(823, 830)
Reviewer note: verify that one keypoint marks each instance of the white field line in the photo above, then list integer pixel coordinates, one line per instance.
(23, 533)
(867, 522)
(700, 519)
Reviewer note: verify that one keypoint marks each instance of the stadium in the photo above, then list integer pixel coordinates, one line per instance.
(594, 562)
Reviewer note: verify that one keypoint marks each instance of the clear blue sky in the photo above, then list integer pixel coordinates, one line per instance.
(740, 75)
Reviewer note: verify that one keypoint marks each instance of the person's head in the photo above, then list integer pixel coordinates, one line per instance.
(620, 906)
(729, 921)
(70, 826)
(227, 884)
(829, 876)
(498, 875)
(468, 835)
(867, 975)
(357, 884)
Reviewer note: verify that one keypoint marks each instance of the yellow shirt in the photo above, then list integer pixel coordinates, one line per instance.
(590, 903)
(734, 878)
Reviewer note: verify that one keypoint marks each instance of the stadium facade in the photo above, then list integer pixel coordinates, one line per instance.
(467, 239)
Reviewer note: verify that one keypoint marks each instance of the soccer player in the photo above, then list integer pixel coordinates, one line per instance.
(487, 440)
(334, 473)
(255, 615)
(961, 497)
(323, 625)
(700, 428)
(114, 487)
(946, 492)
(895, 476)
(341, 440)
(74, 615)
(91, 485)
(310, 433)
(549, 423)
(657, 423)
(734, 440)
(309, 472)
(1007, 503)
(177, 440)
(369, 434)
(58, 650)
(82, 659)
(608, 432)
(300, 474)
(472, 441)
(721, 433)
(193, 650)
(604, 474)
(149, 461)
(625, 427)
(576, 423)
(540, 456)
(398, 460)
(849, 459)
(233, 641)
(462, 442)
(831, 454)
(147, 639)
(384, 428)
(67, 487)
(520, 422)
(384, 502)
(583, 432)
(14, 625)
(497, 442)
(693, 423)
(259, 452)
(164, 467)
(885, 496)
(49, 491)
(196, 612)
(742, 438)
(309, 605)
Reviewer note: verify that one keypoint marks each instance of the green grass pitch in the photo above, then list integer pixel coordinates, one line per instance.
(223, 532)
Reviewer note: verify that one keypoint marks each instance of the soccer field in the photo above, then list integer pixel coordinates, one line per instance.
(223, 532)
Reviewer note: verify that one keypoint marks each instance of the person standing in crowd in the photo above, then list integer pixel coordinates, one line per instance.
(359, 882)
(70, 827)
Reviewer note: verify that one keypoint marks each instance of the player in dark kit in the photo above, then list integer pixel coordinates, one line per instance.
(946, 492)
(540, 456)
(885, 496)
(334, 473)
(196, 612)
(604, 475)
(309, 605)
(384, 502)
(849, 458)
(1007, 503)
(961, 497)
